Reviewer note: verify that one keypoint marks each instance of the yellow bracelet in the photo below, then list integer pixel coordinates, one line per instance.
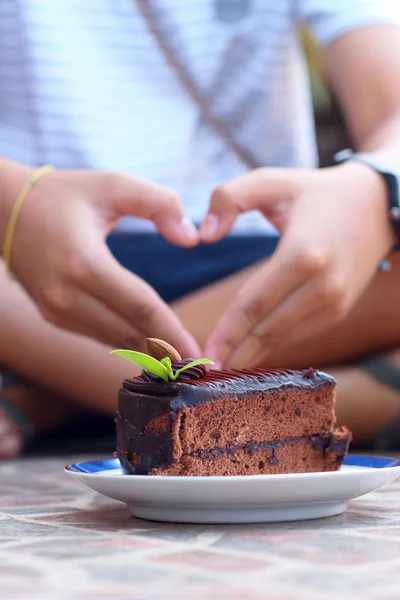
(22, 196)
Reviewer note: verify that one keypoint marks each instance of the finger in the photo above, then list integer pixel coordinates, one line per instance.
(134, 301)
(311, 326)
(93, 319)
(147, 200)
(280, 328)
(260, 295)
(269, 190)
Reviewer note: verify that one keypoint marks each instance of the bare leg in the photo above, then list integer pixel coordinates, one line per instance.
(363, 403)
(82, 369)
(62, 373)
(66, 364)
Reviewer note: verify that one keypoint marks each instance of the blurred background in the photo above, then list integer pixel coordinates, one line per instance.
(331, 131)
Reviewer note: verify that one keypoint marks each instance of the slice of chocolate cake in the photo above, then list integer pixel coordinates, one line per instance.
(229, 423)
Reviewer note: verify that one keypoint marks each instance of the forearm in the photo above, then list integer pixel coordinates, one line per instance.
(385, 138)
(364, 68)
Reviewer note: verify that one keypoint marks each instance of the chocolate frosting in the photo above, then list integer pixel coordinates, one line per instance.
(141, 398)
(215, 384)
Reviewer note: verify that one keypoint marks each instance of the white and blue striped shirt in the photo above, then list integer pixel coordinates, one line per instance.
(83, 84)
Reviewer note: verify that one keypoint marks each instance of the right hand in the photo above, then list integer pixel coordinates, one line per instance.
(60, 257)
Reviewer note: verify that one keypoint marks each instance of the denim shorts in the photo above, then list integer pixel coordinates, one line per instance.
(174, 272)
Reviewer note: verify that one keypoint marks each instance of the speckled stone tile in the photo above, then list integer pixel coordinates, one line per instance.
(83, 547)
(59, 540)
(211, 561)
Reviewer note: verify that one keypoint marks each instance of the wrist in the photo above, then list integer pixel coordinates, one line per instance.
(13, 176)
(389, 175)
(368, 185)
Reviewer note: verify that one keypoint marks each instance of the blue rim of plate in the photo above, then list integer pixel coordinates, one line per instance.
(111, 464)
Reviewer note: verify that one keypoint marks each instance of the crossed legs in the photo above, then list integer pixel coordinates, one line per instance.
(73, 372)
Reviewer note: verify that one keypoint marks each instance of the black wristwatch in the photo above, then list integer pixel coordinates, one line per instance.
(391, 178)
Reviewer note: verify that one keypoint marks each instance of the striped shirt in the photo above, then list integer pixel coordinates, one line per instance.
(83, 84)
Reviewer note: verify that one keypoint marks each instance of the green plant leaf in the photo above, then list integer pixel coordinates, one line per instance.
(194, 363)
(145, 361)
(166, 361)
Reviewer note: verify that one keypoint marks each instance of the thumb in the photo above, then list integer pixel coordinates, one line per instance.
(271, 191)
(131, 196)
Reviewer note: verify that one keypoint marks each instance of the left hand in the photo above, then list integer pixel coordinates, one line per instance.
(335, 231)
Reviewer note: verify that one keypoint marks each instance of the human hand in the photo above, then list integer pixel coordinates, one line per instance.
(335, 230)
(60, 257)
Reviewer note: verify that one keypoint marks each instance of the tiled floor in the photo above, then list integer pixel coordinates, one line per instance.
(59, 540)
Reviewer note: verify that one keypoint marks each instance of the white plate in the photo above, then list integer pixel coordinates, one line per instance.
(242, 499)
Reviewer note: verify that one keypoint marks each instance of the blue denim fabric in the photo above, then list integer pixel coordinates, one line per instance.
(174, 272)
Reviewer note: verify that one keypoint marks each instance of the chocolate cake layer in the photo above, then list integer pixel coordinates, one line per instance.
(229, 422)
(323, 452)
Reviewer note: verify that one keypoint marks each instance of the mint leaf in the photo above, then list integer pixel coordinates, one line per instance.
(145, 361)
(194, 363)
